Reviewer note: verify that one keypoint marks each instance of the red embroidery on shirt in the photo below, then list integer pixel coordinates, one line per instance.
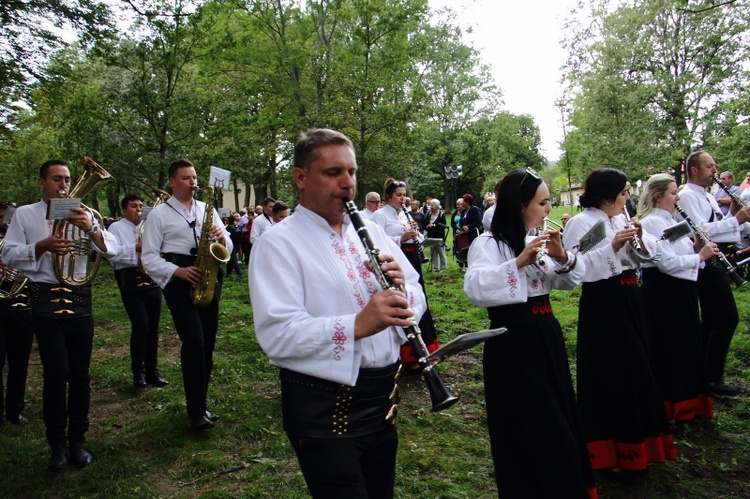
(612, 267)
(339, 338)
(628, 279)
(512, 281)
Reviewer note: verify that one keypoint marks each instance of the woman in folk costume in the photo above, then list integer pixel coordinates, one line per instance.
(620, 401)
(393, 220)
(538, 445)
(670, 285)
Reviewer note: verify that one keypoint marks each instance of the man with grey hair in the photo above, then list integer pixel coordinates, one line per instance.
(722, 196)
(372, 204)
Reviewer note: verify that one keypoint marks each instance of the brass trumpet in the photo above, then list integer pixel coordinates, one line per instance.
(66, 267)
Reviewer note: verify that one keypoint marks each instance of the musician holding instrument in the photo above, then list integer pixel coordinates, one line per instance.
(16, 336)
(620, 402)
(140, 295)
(393, 219)
(61, 312)
(178, 232)
(334, 332)
(670, 285)
(538, 444)
(719, 316)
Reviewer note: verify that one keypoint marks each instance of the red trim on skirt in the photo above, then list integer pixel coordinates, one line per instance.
(408, 356)
(687, 410)
(593, 493)
(606, 454)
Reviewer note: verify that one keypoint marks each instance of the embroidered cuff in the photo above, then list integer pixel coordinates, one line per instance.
(569, 265)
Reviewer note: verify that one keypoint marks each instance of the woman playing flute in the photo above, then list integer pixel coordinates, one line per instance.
(538, 445)
(621, 405)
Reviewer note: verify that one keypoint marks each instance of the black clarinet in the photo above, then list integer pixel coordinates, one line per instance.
(420, 248)
(439, 394)
(718, 260)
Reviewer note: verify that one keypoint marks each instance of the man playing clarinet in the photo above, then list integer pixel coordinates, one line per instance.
(719, 316)
(333, 331)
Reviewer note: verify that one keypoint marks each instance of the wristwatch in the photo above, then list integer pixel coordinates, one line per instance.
(93, 230)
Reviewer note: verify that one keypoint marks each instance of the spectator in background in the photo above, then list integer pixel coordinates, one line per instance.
(490, 212)
(235, 234)
(722, 196)
(460, 240)
(417, 215)
(436, 233)
(564, 219)
(372, 204)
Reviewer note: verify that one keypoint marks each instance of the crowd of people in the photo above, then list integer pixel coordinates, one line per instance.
(339, 331)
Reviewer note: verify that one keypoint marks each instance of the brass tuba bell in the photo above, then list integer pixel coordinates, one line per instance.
(12, 281)
(69, 268)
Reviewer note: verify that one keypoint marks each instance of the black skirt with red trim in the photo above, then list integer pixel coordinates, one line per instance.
(620, 401)
(538, 444)
(676, 344)
(426, 324)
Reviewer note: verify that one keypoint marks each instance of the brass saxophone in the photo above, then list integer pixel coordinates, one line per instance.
(210, 255)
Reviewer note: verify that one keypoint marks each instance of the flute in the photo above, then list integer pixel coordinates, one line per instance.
(439, 394)
(717, 260)
(636, 241)
(541, 252)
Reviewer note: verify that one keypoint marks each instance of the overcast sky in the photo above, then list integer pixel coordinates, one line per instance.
(520, 41)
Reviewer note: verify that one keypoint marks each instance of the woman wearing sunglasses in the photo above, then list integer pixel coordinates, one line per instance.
(538, 445)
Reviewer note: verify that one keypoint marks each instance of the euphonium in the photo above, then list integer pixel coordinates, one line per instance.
(160, 197)
(12, 281)
(210, 255)
(65, 265)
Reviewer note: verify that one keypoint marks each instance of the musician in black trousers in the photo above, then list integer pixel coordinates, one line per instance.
(140, 295)
(62, 317)
(172, 239)
(16, 338)
(719, 316)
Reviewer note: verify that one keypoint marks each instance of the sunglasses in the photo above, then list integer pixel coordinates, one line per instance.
(532, 173)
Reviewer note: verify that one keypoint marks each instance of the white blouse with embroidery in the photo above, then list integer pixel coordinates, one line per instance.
(493, 278)
(679, 258)
(601, 261)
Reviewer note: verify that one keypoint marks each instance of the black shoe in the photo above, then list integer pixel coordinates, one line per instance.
(59, 459)
(201, 423)
(79, 456)
(723, 390)
(139, 380)
(18, 419)
(154, 379)
(212, 417)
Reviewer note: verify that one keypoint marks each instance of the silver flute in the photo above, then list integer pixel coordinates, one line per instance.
(541, 251)
(636, 241)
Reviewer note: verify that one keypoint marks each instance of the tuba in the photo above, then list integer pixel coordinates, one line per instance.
(12, 281)
(65, 265)
(210, 255)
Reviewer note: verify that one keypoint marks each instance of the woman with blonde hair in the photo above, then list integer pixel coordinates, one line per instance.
(670, 284)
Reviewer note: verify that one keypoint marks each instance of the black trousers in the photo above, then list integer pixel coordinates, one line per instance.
(143, 305)
(65, 351)
(361, 467)
(196, 328)
(719, 319)
(233, 263)
(16, 337)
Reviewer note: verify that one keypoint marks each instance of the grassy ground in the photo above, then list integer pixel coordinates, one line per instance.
(144, 448)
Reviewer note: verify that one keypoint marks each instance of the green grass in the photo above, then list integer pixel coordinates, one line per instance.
(144, 448)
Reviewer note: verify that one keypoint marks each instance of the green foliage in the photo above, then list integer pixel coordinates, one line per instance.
(646, 80)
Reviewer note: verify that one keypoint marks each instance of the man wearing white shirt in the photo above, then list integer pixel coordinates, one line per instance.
(171, 239)
(62, 318)
(333, 331)
(140, 295)
(372, 204)
(262, 221)
(719, 317)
